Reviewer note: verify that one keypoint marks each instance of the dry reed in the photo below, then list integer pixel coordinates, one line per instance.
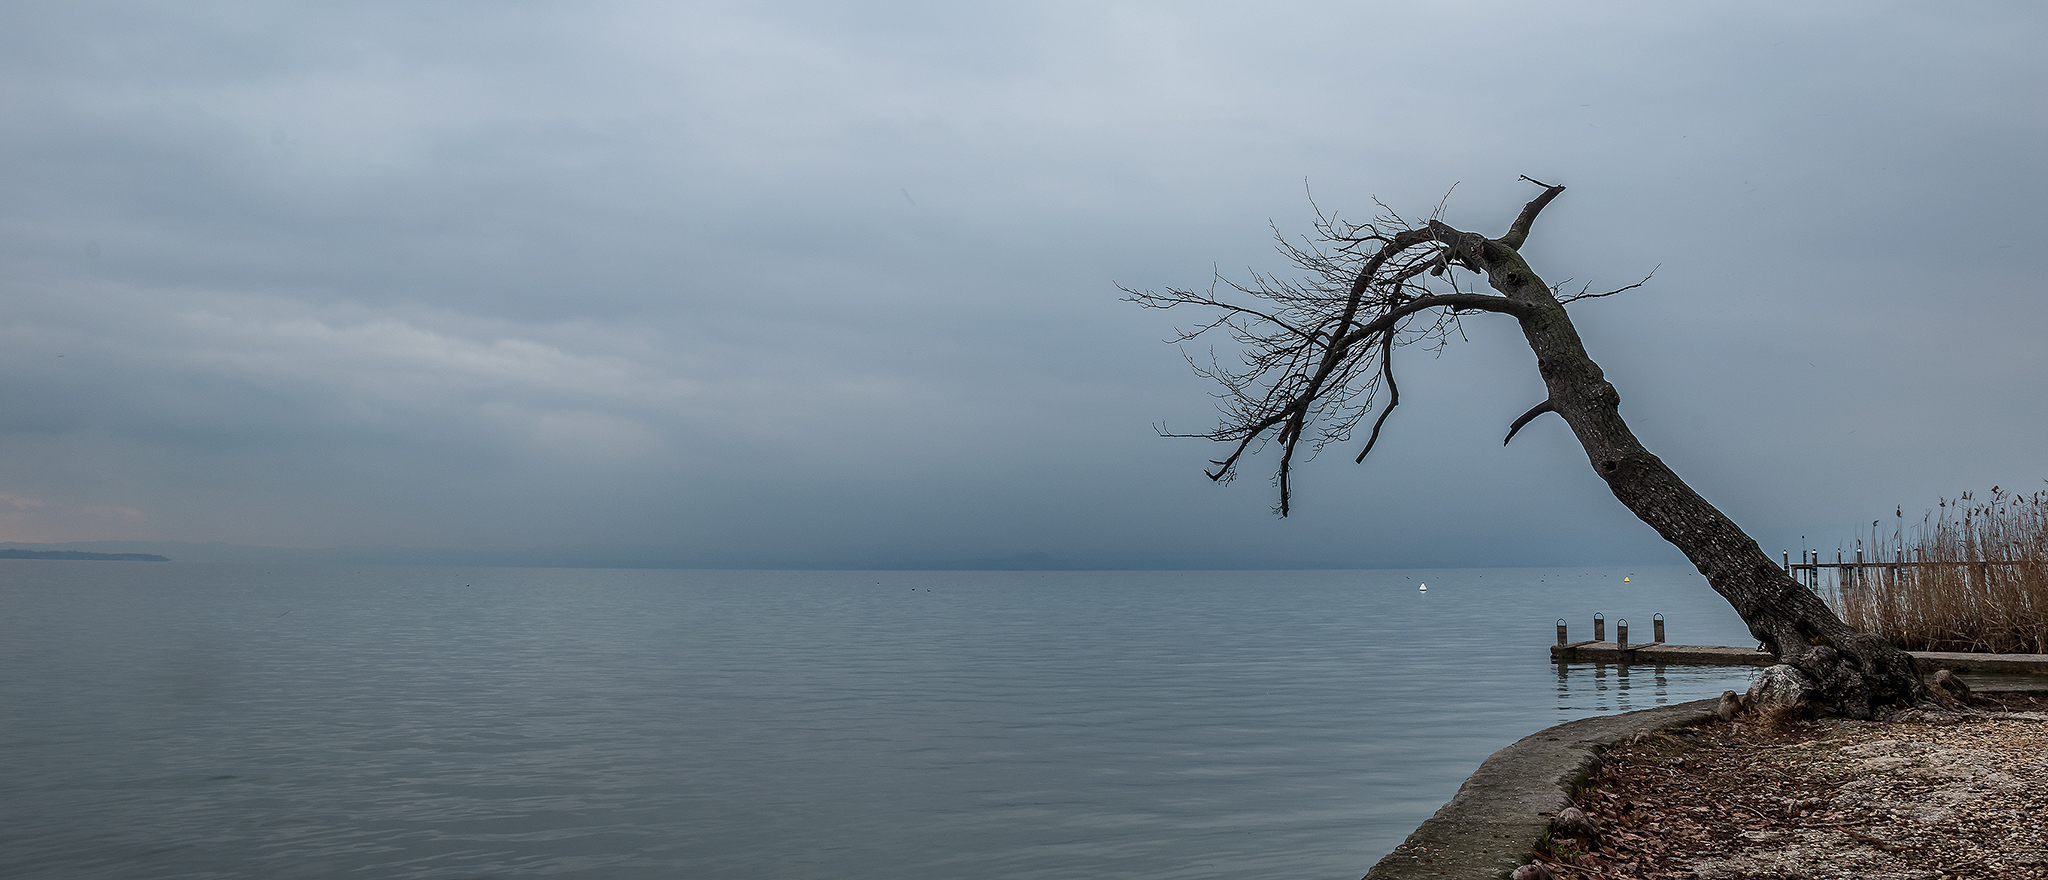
(1978, 579)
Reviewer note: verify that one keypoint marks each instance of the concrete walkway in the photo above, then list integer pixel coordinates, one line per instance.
(1502, 810)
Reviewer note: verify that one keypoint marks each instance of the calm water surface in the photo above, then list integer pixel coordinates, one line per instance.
(188, 721)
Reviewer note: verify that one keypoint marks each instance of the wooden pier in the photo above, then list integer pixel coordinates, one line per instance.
(1657, 654)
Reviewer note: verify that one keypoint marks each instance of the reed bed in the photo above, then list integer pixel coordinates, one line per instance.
(1981, 585)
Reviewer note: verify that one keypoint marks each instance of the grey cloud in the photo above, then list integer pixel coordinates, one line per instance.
(811, 284)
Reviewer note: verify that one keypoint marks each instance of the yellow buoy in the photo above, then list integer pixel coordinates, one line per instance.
(1624, 580)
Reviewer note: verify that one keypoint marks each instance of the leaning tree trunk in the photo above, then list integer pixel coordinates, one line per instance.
(1309, 355)
(1854, 673)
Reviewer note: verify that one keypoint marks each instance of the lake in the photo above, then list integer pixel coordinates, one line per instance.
(171, 720)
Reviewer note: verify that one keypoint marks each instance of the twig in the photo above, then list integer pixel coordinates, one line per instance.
(1583, 295)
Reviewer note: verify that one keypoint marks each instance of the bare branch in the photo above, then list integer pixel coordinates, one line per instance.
(1312, 353)
(1393, 395)
(1528, 417)
(1172, 297)
(1519, 232)
(1584, 295)
(1475, 302)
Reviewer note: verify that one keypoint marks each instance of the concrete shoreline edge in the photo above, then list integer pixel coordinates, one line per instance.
(1489, 826)
(1503, 809)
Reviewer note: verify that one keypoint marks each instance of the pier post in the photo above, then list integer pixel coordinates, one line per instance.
(1599, 627)
(1621, 632)
(1657, 629)
(1560, 631)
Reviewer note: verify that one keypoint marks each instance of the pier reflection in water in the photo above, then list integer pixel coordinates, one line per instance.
(1601, 688)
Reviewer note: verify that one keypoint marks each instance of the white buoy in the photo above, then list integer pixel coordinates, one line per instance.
(1425, 589)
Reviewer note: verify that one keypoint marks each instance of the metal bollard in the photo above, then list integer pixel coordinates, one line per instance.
(1560, 631)
(1599, 627)
(1657, 629)
(1621, 633)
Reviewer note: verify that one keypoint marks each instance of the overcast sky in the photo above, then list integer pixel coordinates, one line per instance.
(834, 284)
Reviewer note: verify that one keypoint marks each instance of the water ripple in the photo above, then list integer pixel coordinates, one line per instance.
(173, 721)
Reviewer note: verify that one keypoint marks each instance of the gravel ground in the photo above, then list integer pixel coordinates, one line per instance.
(1924, 796)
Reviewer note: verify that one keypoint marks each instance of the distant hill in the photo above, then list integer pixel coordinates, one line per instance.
(80, 554)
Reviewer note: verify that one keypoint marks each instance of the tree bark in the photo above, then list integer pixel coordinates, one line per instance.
(1855, 673)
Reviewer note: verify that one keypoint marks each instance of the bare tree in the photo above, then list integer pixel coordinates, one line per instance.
(1316, 353)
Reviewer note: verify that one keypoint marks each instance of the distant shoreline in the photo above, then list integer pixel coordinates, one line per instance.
(80, 554)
